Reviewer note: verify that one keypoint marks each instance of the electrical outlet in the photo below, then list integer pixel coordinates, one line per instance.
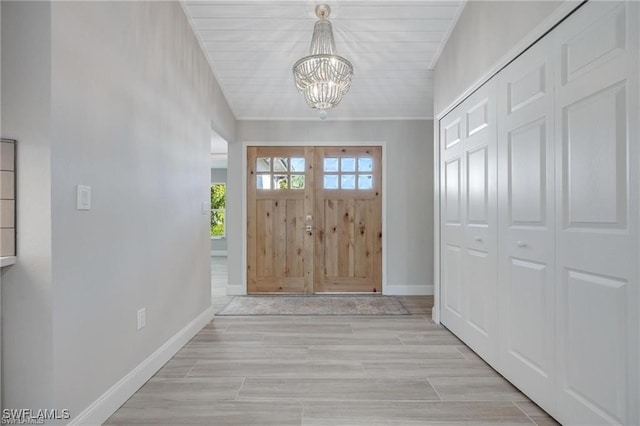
(142, 318)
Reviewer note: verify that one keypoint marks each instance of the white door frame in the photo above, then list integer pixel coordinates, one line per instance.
(382, 144)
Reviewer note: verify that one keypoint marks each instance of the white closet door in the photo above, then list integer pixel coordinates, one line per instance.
(597, 215)
(469, 215)
(480, 221)
(452, 130)
(526, 224)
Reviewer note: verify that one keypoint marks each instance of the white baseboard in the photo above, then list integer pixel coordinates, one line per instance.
(218, 253)
(435, 313)
(107, 404)
(409, 290)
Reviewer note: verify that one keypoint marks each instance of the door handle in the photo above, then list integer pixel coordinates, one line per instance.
(478, 239)
(308, 228)
(521, 244)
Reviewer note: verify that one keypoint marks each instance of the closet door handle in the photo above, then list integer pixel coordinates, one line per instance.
(521, 244)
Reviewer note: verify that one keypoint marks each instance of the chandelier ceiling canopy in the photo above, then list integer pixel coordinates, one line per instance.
(323, 77)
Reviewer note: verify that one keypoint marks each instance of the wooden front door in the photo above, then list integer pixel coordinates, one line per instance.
(348, 216)
(314, 219)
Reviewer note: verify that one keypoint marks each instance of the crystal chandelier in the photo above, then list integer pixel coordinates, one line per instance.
(323, 77)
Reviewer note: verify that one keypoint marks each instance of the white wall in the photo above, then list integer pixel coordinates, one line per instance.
(409, 192)
(0, 272)
(484, 33)
(27, 331)
(118, 96)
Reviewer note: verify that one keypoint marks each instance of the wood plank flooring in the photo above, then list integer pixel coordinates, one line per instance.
(334, 370)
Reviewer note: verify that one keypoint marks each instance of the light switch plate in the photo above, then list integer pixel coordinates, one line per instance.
(142, 318)
(83, 197)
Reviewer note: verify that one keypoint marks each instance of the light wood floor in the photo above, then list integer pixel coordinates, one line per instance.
(313, 370)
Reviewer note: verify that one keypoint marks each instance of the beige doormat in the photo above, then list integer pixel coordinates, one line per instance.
(313, 305)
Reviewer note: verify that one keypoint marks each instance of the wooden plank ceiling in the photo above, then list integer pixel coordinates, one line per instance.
(392, 45)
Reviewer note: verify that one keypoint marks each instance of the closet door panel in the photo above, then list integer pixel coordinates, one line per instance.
(478, 277)
(453, 194)
(452, 236)
(526, 224)
(479, 255)
(527, 178)
(477, 114)
(468, 222)
(477, 186)
(529, 347)
(594, 353)
(597, 210)
(452, 277)
(595, 173)
(452, 217)
(451, 132)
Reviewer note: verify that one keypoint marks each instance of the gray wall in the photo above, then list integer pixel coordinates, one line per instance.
(485, 32)
(409, 195)
(27, 293)
(219, 176)
(0, 271)
(118, 96)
